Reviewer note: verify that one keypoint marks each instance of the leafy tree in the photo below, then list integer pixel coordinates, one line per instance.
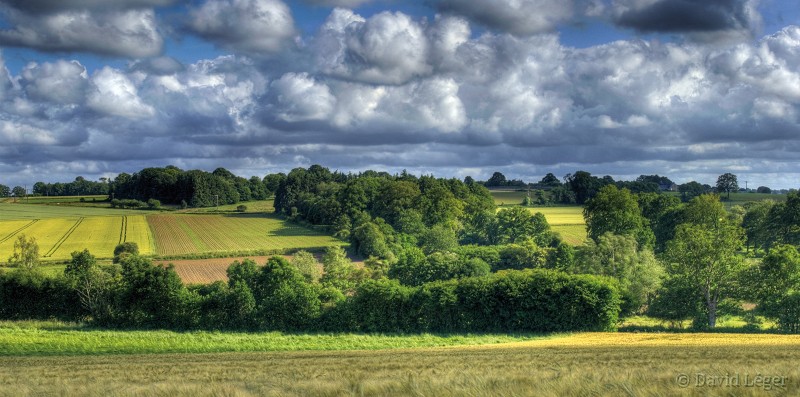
(339, 271)
(284, 300)
(18, 191)
(777, 286)
(691, 190)
(307, 264)
(272, 182)
(5, 191)
(584, 185)
(153, 296)
(517, 224)
(550, 180)
(757, 225)
(26, 254)
(127, 248)
(619, 256)
(704, 256)
(726, 183)
(616, 211)
(497, 179)
(439, 238)
(763, 189)
(94, 285)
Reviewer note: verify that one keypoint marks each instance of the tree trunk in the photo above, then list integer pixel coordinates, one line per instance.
(711, 305)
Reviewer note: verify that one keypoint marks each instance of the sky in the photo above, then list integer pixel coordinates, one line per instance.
(690, 89)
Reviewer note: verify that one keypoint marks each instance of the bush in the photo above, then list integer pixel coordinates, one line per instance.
(241, 208)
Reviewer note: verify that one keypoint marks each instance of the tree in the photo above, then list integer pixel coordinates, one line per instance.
(5, 191)
(777, 287)
(517, 224)
(726, 183)
(763, 189)
(18, 191)
(691, 190)
(584, 185)
(704, 257)
(497, 179)
(26, 254)
(125, 249)
(93, 285)
(550, 180)
(616, 211)
(307, 264)
(619, 256)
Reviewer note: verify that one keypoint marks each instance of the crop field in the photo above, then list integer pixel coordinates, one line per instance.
(177, 235)
(62, 230)
(274, 364)
(566, 221)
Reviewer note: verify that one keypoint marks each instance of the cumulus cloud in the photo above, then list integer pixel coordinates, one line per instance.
(61, 82)
(388, 48)
(114, 94)
(298, 97)
(519, 17)
(126, 33)
(250, 26)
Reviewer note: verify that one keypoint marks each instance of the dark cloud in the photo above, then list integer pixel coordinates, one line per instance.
(519, 17)
(687, 16)
(51, 6)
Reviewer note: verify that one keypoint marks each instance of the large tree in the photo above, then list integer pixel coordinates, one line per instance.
(727, 183)
(704, 257)
(5, 191)
(616, 211)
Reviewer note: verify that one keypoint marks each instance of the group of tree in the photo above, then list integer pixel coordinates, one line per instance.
(16, 191)
(194, 188)
(292, 296)
(79, 187)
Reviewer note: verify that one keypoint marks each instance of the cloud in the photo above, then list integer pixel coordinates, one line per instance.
(51, 6)
(518, 17)
(702, 18)
(339, 3)
(388, 48)
(249, 26)
(114, 94)
(61, 82)
(298, 97)
(126, 33)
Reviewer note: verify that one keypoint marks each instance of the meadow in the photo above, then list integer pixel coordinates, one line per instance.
(275, 364)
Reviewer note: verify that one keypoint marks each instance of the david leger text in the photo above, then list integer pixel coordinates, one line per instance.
(765, 382)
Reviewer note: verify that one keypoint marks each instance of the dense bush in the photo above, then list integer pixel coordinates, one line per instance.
(30, 295)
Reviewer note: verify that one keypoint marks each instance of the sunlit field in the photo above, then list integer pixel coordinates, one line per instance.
(275, 364)
(177, 234)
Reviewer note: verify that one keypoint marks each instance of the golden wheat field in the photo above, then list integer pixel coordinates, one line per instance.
(585, 364)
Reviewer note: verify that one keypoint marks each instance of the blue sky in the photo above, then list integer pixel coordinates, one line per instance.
(685, 88)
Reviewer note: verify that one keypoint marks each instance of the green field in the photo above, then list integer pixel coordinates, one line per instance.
(61, 229)
(42, 360)
(183, 234)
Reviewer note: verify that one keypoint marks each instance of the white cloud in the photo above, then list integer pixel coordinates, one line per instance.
(388, 48)
(519, 17)
(298, 97)
(114, 94)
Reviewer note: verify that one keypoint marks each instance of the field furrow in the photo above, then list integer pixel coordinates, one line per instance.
(137, 230)
(95, 234)
(9, 228)
(189, 234)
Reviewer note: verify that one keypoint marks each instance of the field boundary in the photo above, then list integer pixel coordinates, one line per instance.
(14, 233)
(63, 238)
(123, 232)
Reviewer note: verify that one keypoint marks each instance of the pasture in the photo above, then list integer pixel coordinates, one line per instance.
(51, 361)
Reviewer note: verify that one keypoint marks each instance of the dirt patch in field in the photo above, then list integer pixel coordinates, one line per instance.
(207, 271)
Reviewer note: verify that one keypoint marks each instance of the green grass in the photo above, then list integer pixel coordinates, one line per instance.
(585, 364)
(54, 338)
(11, 211)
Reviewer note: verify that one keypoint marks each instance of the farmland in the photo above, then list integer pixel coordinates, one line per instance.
(51, 361)
(185, 234)
(61, 227)
(62, 230)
